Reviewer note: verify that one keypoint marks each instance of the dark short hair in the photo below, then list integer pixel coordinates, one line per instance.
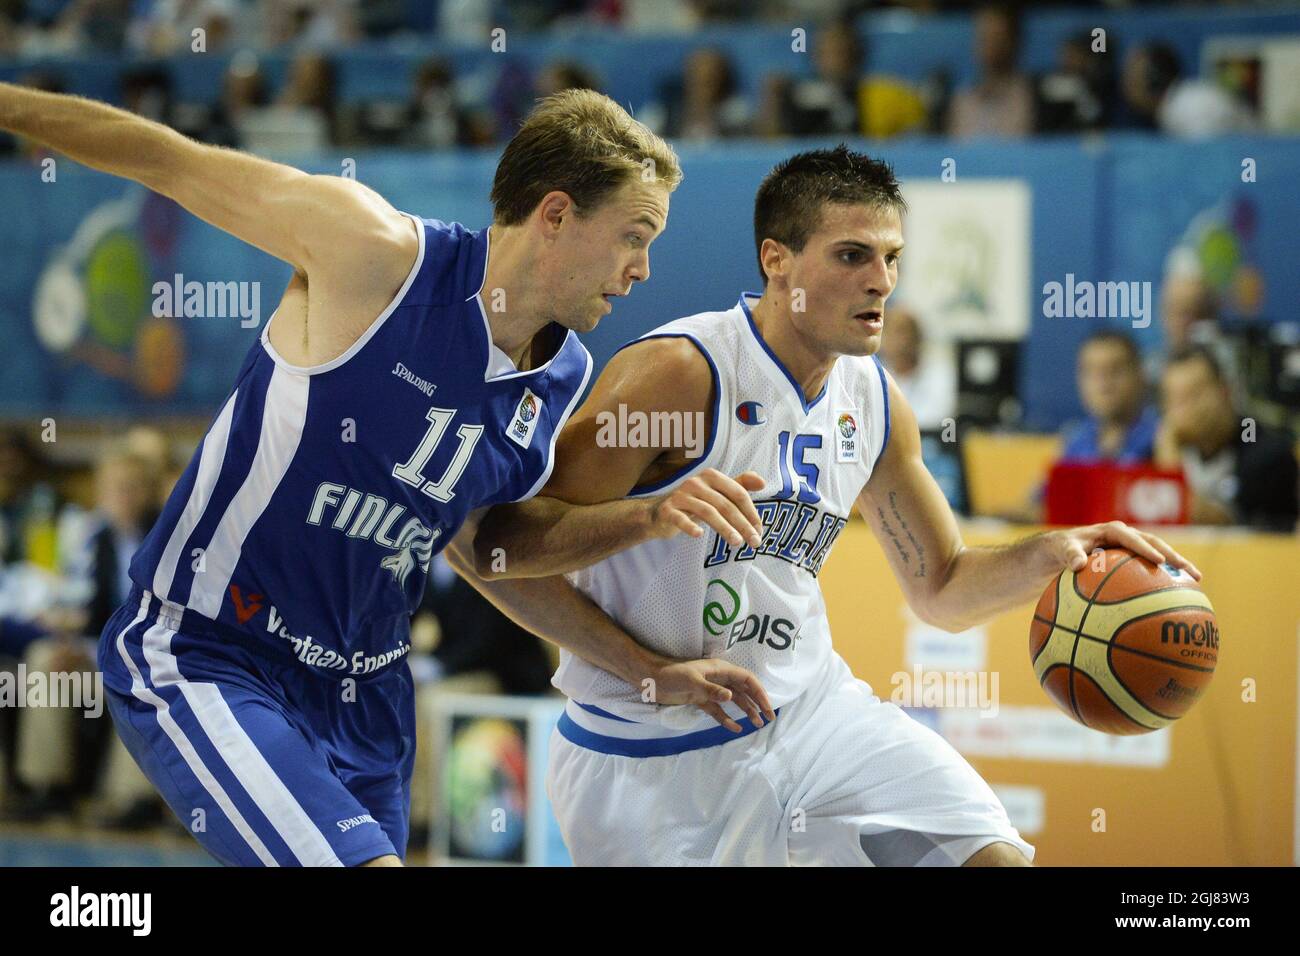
(1115, 337)
(1197, 353)
(789, 204)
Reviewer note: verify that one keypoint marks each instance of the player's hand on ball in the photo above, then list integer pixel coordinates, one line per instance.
(720, 502)
(709, 683)
(1072, 547)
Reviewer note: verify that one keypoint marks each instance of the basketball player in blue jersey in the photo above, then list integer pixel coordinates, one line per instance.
(790, 388)
(414, 371)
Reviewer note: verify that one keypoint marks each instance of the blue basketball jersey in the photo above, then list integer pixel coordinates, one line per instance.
(309, 513)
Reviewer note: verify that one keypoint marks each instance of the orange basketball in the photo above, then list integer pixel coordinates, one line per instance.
(1124, 646)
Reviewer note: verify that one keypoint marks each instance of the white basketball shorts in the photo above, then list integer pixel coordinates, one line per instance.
(840, 778)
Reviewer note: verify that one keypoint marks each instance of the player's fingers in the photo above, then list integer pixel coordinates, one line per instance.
(681, 521)
(738, 493)
(746, 703)
(720, 715)
(739, 679)
(698, 507)
(733, 503)
(1076, 559)
(1170, 555)
(1132, 539)
(739, 510)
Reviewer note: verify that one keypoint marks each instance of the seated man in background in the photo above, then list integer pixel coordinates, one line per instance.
(1238, 470)
(1120, 426)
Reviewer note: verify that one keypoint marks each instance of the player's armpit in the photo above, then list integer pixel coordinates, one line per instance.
(909, 515)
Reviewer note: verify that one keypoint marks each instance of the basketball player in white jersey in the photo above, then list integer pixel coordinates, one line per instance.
(789, 387)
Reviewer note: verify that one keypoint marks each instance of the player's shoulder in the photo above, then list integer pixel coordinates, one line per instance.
(454, 260)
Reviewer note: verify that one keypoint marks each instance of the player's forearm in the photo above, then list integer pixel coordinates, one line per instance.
(545, 536)
(555, 611)
(95, 134)
(979, 583)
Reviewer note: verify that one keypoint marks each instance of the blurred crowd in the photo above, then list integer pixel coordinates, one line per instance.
(66, 542)
(1190, 407)
(1139, 86)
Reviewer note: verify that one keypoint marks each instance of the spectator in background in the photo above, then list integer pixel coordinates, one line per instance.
(303, 117)
(928, 383)
(1001, 102)
(1160, 97)
(702, 103)
(1078, 96)
(167, 27)
(437, 120)
(28, 504)
(147, 92)
(561, 75)
(60, 750)
(1189, 315)
(1238, 472)
(243, 93)
(309, 23)
(840, 99)
(1121, 425)
(93, 25)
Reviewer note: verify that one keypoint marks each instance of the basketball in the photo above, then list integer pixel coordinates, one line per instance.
(1124, 646)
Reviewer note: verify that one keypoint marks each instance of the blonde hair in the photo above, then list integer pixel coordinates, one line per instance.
(582, 143)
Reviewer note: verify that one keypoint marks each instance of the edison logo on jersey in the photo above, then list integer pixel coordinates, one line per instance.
(371, 517)
(798, 533)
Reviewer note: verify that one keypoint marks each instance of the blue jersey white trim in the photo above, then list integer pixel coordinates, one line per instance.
(307, 518)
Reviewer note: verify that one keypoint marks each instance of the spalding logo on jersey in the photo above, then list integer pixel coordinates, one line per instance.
(750, 413)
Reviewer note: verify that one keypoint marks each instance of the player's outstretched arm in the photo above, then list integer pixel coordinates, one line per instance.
(577, 520)
(557, 612)
(308, 221)
(948, 584)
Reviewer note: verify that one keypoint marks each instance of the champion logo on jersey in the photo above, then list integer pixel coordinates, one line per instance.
(846, 441)
(521, 427)
(750, 413)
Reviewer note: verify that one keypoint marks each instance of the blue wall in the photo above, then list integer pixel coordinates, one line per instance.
(1107, 211)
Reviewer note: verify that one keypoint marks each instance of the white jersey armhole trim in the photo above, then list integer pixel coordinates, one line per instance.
(639, 491)
(374, 326)
(884, 406)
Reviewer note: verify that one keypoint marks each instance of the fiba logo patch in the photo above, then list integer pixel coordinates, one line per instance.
(716, 614)
(750, 413)
(527, 415)
(846, 442)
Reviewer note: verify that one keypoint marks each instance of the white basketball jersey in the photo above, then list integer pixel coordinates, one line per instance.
(760, 608)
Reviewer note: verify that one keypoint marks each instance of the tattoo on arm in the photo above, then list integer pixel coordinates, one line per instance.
(913, 548)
